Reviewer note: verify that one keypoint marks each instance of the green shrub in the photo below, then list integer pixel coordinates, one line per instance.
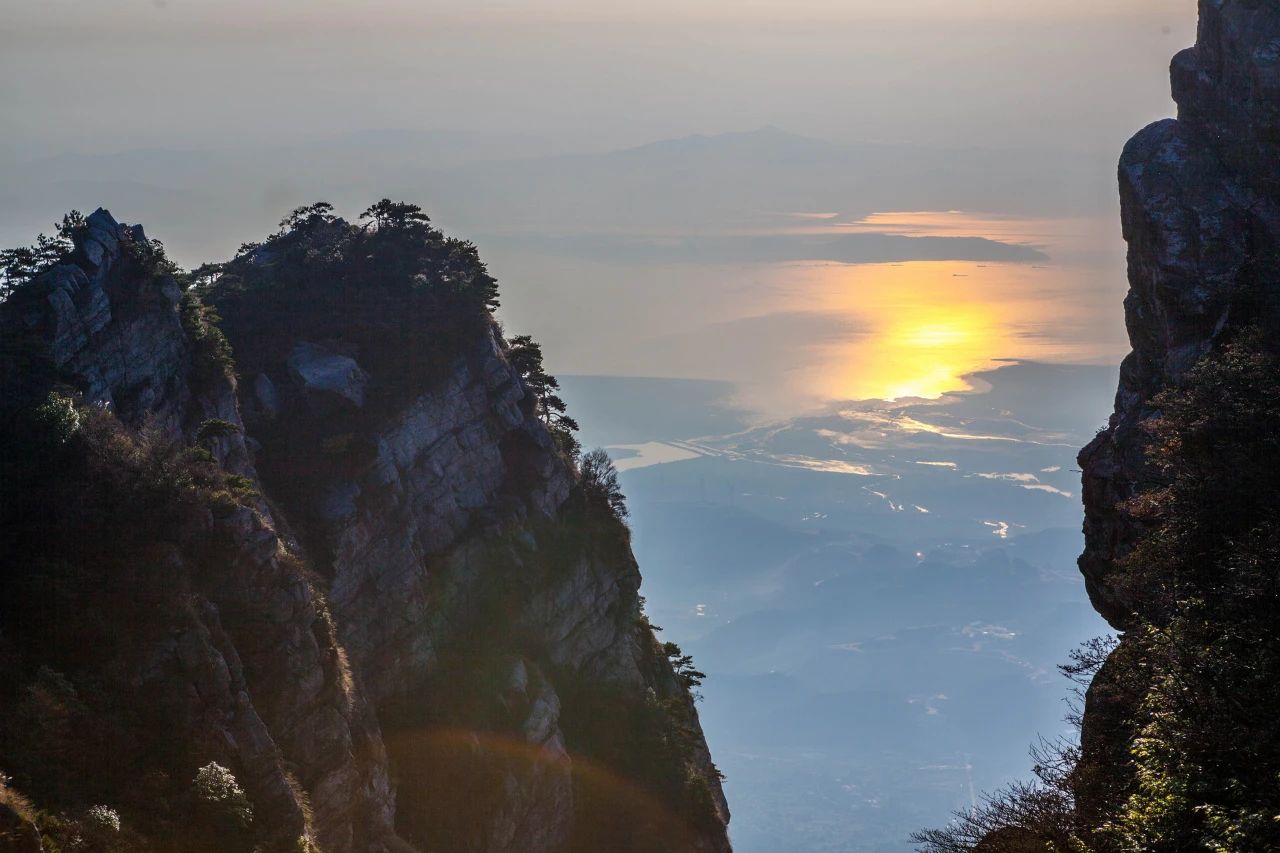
(212, 357)
(149, 258)
(56, 420)
(1202, 657)
(22, 265)
(403, 295)
(222, 807)
(223, 504)
(686, 673)
(525, 356)
(214, 429)
(15, 801)
(699, 801)
(599, 481)
(216, 786)
(102, 820)
(1206, 760)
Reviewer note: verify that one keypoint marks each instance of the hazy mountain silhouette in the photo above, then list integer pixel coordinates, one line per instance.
(843, 248)
(504, 186)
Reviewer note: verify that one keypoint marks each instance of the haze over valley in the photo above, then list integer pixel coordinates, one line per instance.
(842, 322)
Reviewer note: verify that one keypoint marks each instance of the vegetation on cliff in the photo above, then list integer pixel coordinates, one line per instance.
(1206, 758)
(151, 619)
(404, 295)
(1200, 667)
(20, 265)
(104, 527)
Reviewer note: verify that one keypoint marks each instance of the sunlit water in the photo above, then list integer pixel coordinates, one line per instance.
(764, 571)
(924, 326)
(794, 337)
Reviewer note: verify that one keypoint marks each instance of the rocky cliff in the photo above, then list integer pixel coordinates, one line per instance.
(1201, 214)
(1200, 198)
(1179, 747)
(355, 569)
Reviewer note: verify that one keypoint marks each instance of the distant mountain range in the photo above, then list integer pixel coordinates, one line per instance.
(511, 186)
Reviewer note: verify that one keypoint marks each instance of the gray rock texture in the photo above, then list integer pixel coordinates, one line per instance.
(444, 541)
(328, 375)
(410, 641)
(1200, 200)
(268, 692)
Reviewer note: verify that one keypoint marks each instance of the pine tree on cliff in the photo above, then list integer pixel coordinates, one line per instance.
(525, 355)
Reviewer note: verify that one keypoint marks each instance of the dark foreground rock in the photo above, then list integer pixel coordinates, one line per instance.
(376, 596)
(1201, 214)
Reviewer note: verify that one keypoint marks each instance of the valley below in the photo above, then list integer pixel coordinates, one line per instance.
(879, 594)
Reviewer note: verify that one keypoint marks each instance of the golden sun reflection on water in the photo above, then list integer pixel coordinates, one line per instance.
(795, 337)
(923, 326)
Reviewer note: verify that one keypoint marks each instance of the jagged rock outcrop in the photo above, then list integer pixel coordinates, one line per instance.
(384, 608)
(461, 575)
(1201, 213)
(1200, 202)
(244, 669)
(328, 375)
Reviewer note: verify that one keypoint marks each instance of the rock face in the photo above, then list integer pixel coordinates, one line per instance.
(412, 640)
(327, 375)
(269, 692)
(1200, 202)
(114, 338)
(1201, 213)
(443, 533)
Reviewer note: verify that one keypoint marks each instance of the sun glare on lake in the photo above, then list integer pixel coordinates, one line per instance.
(923, 326)
(794, 337)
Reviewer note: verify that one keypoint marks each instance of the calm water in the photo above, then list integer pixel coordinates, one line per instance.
(795, 336)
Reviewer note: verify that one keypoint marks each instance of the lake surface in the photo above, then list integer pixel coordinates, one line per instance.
(794, 337)
(864, 529)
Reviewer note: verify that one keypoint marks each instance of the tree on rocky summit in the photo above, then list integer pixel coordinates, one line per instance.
(600, 481)
(308, 217)
(525, 356)
(22, 264)
(395, 215)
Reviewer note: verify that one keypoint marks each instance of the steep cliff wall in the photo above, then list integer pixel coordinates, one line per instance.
(1200, 199)
(413, 630)
(211, 644)
(1201, 214)
(1179, 747)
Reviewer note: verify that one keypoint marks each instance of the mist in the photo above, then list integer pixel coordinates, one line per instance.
(217, 74)
(837, 284)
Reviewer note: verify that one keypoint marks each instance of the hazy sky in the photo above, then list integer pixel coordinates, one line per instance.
(207, 120)
(1025, 105)
(121, 73)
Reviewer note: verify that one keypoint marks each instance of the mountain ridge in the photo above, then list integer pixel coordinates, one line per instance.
(373, 591)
